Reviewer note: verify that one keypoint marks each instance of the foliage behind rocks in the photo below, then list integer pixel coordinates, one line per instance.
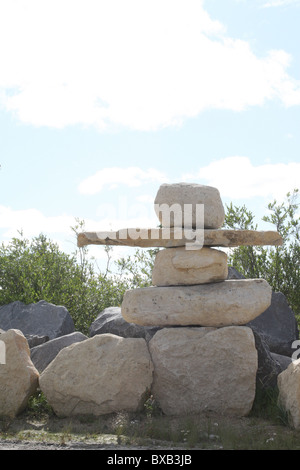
(34, 270)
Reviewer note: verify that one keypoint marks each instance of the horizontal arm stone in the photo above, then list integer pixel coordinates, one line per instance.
(167, 238)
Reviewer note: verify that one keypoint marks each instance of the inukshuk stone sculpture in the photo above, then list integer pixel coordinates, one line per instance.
(204, 357)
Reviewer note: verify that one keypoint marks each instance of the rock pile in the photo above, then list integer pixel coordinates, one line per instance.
(189, 339)
(209, 362)
(204, 356)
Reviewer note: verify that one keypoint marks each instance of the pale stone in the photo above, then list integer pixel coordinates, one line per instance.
(18, 376)
(204, 369)
(289, 392)
(178, 266)
(103, 374)
(232, 302)
(169, 238)
(185, 197)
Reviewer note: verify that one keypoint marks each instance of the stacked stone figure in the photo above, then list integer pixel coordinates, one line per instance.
(190, 286)
(204, 357)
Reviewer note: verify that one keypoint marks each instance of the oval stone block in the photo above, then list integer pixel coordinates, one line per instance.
(179, 266)
(232, 302)
(187, 196)
(103, 374)
(204, 369)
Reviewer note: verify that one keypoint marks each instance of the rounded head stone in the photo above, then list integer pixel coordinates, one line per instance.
(186, 200)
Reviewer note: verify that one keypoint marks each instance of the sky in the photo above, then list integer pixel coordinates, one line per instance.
(101, 102)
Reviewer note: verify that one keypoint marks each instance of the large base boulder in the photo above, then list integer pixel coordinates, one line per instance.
(204, 369)
(100, 375)
(18, 376)
(37, 319)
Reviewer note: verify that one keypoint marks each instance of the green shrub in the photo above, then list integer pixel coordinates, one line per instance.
(33, 270)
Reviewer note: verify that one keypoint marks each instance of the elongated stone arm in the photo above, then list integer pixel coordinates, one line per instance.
(167, 238)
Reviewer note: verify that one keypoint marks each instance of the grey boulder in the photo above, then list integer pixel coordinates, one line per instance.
(270, 365)
(37, 319)
(34, 340)
(278, 325)
(110, 320)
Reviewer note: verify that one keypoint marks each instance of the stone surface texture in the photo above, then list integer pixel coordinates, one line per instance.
(289, 392)
(231, 302)
(191, 194)
(18, 376)
(100, 375)
(179, 266)
(204, 369)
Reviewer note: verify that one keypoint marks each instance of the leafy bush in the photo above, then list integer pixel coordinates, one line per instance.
(33, 270)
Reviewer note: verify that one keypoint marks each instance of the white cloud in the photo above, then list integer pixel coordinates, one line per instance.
(237, 178)
(142, 64)
(146, 198)
(115, 176)
(32, 222)
(279, 3)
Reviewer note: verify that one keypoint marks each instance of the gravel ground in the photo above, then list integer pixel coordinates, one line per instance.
(126, 432)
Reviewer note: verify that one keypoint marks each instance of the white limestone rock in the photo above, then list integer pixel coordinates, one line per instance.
(231, 302)
(179, 266)
(18, 376)
(103, 374)
(173, 237)
(190, 194)
(204, 369)
(289, 392)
